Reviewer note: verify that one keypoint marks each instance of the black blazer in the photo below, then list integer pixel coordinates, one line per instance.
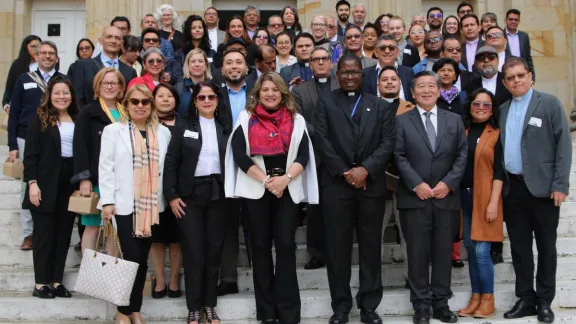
(224, 115)
(464, 60)
(87, 136)
(409, 60)
(370, 80)
(467, 78)
(525, 50)
(84, 72)
(456, 106)
(182, 157)
(502, 94)
(42, 159)
(339, 139)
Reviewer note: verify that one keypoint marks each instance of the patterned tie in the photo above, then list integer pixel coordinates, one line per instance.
(430, 131)
(111, 63)
(46, 77)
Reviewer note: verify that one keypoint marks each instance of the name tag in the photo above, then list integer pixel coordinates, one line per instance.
(191, 134)
(210, 60)
(408, 51)
(30, 85)
(535, 122)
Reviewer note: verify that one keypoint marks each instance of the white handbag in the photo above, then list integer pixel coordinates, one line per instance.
(106, 277)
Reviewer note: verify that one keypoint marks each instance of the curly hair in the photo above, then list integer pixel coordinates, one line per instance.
(187, 40)
(287, 99)
(46, 111)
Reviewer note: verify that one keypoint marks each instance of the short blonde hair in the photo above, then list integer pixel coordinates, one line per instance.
(186, 70)
(287, 99)
(97, 83)
(153, 118)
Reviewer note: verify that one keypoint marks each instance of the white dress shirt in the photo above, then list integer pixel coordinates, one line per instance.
(209, 158)
(501, 60)
(378, 69)
(458, 84)
(514, 42)
(33, 66)
(433, 117)
(471, 47)
(213, 35)
(66, 130)
(490, 84)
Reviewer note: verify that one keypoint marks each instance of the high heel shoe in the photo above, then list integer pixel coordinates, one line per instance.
(122, 319)
(194, 317)
(211, 315)
(44, 292)
(159, 294)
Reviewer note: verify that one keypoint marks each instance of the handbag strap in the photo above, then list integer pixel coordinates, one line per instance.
(114, 235)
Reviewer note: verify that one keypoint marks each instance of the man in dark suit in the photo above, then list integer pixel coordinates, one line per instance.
(306, 97)
(537, 154)
(496, 38)
(85, 70)
(487, 66)
(518, 41)
(470, 26)
(299, 72)
(354, 133)
(237, 44)
(431, 153)
(387, 52)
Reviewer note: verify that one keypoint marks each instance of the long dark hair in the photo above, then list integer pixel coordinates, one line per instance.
(80, 42)
(297, 27)
(493, 121)
(245, 37)
(187, 40)
(46, 111)
(445, 32)
(22, 62)
(171, 89)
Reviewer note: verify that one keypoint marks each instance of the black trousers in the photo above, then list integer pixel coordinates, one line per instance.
(52, 232)
(135, 249)
(202, 232)
(528, 216)
(315, 230)
(429, 234)
(346, 207)
(273, 219)
(231, 248)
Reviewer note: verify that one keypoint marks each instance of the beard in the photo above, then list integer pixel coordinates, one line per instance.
(236, 80)
(435, 26)
(489, 72)
(390, 95)
(344, 17)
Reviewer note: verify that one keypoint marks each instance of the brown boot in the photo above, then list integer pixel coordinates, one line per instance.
(26, 244)
(472, 306)
(486, 307)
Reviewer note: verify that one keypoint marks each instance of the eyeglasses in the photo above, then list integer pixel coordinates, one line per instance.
(384, 21)
(47, 53)
(383, 48)
(453, 49)
(151, 40)
(355, 36)
(320, 59)
(465, 11)
(136, 102)
(484, 105)
(417, 32)
(513, 19)
(84, 48)
(112, 84)
(263, 36)
(276, 25)
(433, 40)
(155, 61)
(318, 25)
(210, 97)
(331, 26)
(437, 16)
(484, 57)
(520, 76)
(211, 14)
(350, 73)
(495, 35)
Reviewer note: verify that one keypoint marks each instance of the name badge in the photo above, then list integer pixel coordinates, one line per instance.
(535, 122)
(408, 51)
(210, 60)
(30, 85)
(191, 134)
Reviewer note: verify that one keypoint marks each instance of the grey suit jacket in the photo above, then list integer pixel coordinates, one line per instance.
(417, 163)
(546, 145)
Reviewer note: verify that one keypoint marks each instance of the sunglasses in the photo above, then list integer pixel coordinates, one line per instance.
(485, 104)
(155, 61)
(136, 102)
(211, 97)
(513, 19)
(384, 22)
(383, 48)
(433, 40)
(453, 49)
(84, 48)
(484, 57)
(151, 40)
(495, 35)
(275, 25)
(262, 36)
(437, 16)
(356, 36)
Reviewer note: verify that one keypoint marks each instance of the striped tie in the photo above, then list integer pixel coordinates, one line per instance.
(430, 131)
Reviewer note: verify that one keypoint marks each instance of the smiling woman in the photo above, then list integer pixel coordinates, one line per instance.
(154, 64)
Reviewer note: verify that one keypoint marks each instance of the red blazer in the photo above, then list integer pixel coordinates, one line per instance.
(146, 80)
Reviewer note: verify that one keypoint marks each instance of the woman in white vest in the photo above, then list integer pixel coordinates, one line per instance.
(270, 163)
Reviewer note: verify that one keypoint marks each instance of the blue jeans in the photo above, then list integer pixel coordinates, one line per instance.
(479, 261)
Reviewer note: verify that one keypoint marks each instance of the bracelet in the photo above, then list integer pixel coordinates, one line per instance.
(265, 180)
(32, 181)
(289, 176)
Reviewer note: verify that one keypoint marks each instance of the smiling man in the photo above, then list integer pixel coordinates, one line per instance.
(353, 41)
(433, 45)
(470, 26)
(300, 71)
(435, 17)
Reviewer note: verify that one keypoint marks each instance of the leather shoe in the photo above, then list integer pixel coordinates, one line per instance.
(369, 316)
(339, 318)
(225, 288)
(61, 292)
(457, 263)
(545, 313)
(496, 257)
(314, 263)
(421, 316)
(43, 292)
(445, 315)
(26, 244)
(159, 294)
(521, 309)
(269, 321)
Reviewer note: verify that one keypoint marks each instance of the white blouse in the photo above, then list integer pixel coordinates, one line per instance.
(209, 158)
(66, 135)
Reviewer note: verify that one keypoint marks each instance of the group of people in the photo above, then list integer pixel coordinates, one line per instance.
(186, 135)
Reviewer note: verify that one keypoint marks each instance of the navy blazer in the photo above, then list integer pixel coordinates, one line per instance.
(370, 81)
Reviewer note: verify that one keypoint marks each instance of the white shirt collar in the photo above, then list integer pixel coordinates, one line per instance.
(434, 110)
(50, 73)
(492, 79)
(510, 33)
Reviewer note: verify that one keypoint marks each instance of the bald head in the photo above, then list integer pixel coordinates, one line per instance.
(265, 58)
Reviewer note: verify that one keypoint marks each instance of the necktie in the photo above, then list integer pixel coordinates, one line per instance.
(430, 131)
(46, 77)
(111, 63)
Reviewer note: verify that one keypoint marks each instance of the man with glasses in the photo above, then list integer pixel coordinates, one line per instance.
(354, 133)
(151, 38)
(359, 15)
(433, 45)
(495, 37)
(343, 14)
(26, 96)
(216, 35)
(518, 41)
(300, 71)
(435, 16)
(407, 54)
(85, 70)
(387, 52)
(275, 26)
(537, 153)
(149, 21)
(306, 97)
(487, 66)
(470, 26)
(251, 19)
(452, 48)
(336, 50)
(464, 8)
(353, 40)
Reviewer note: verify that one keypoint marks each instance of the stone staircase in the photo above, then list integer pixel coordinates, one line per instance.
(17, 279)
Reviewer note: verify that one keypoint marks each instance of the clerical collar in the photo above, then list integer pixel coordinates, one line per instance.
(527, 94)
(390, 100)
(322, 80)
(351, 93)
(307, 64)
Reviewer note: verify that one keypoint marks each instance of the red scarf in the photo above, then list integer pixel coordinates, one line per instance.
(269, 133)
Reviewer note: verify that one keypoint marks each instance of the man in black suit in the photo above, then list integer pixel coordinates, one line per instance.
(354, 133)
(85, 70)
(387, 52)
(470, 26)
(431, 152)
(496, 38)
(299, 72)
(518, 41)
(306, 97)
(487, 66)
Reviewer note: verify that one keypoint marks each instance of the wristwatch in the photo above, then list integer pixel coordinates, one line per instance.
(32, 181)
(289, 176)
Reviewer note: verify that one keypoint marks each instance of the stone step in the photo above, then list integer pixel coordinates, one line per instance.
(22, 279)
(315, 305)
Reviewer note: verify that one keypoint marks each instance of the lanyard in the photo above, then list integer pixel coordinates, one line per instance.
(356, 106)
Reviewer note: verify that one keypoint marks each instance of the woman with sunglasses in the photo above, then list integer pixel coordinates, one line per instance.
(153, 63)
(284, 46)
(448, 71)
(261, 36)
(481, 193)
(132, 154)
(451, 27)
(84, 50)
(193, 178)
(195, 36)
(416, 35)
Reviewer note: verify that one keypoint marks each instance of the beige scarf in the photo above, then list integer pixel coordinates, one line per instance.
(146, 177)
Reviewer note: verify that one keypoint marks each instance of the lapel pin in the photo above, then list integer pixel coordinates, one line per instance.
(367, 109)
